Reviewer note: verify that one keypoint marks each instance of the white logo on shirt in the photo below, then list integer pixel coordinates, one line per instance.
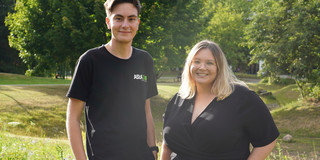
(140, 77)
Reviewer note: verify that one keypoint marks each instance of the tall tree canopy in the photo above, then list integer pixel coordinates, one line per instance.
(9, 59)
(168, 29)
(285, 34)
(51, 34)
(225, 23)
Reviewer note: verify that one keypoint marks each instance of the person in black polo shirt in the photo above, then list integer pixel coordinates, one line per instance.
(114, 83)
(214, 116)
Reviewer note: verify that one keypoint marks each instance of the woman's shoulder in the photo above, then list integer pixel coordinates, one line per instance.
(241, 89)
(241, 92)
(245, 93)
(177, 100)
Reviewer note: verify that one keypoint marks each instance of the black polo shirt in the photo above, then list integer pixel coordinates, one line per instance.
(223, 130)
(115, 91)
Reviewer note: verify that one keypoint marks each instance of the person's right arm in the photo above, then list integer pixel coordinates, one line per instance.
(165, 152)
(74, 113)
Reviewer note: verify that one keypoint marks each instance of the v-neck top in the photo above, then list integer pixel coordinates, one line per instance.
(223, 130)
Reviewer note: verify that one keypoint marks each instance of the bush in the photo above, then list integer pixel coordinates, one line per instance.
(315, 93)
(29, 72)
(284, 81)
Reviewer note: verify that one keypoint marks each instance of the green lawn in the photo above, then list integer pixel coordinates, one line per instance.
(27, 148)
(39, 111)
(8, 79)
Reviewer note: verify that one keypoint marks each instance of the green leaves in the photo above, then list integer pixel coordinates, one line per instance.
(51, 34)
(285, 35)
(226, 21)
(167, 29)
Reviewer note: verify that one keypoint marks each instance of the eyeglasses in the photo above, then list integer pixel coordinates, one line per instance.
(207, 64)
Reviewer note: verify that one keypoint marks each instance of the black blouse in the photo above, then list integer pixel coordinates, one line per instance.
(223, 130)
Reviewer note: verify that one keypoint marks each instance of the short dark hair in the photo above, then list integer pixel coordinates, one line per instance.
(110, 4)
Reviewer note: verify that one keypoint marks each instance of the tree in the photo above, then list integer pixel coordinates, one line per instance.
(9, 59)
(168, 29)
(226, 21)
(51, 34)
(285, 35)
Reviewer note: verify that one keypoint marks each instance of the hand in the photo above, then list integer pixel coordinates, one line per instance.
(155, 154)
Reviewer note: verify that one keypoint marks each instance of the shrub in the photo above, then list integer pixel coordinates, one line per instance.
(315, 93)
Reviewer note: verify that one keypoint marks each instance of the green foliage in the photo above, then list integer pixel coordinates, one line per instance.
(284, 81)
(9, 59)
(285, 35)
(314, 93)
(167, 30)
(225, 25)
(50, 35)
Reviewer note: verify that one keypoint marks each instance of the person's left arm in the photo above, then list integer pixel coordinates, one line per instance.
(260, 126)
(150, 128)
(261, 153)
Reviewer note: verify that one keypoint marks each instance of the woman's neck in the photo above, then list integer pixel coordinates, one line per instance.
(204, 90)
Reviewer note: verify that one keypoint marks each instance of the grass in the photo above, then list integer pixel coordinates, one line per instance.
(245, 76)
(295, 117)
(281, 94)
(39, 111)
(35, 110)
(302, 122)
(24, 148)
(9, 79)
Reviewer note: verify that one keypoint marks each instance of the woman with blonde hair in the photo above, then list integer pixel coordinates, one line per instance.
(214, 115)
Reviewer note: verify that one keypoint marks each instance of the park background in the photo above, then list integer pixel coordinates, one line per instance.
(273, 45)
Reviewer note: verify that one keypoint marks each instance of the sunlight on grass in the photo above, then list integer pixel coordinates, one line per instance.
(44, 107)
(39, 111)
(8, 78)
(158, 105)
(19, 147)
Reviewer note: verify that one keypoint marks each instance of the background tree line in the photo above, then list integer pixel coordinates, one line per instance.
(50, 35)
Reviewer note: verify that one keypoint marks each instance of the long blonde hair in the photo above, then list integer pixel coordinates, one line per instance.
(225, 80)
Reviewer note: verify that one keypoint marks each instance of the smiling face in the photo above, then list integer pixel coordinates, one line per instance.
(123, 22)
(203, 68)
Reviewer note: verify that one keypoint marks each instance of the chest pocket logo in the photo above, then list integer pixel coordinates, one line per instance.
(140, 77)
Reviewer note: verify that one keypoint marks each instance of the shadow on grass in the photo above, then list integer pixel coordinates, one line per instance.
(43, 116)
(50, 90)
(40, 110)
(19, 104)
(301, 121)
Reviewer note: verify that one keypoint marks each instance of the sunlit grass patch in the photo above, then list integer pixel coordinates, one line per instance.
(25, 148)
(8, 78)
(38, 109)
(158, 105)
